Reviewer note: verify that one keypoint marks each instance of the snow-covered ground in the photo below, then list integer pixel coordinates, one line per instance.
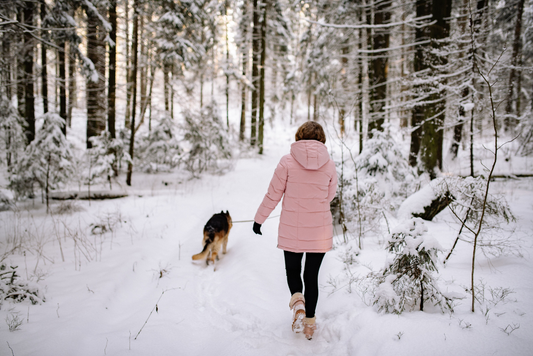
(135, 290)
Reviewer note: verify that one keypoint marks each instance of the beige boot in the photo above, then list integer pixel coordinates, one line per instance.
(297, 305)
(309, 327)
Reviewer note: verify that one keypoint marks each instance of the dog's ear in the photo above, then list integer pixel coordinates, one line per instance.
(227, 213)
(221, 211)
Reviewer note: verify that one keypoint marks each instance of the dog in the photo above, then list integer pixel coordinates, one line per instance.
(216, 232)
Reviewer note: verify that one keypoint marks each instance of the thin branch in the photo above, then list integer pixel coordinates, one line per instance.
(412, 22)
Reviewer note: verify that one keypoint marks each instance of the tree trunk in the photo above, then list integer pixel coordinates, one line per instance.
(166, 87)
(29, 97)
(111, 86)
(172, 71)
(345, 50)
(19, 68)
(134, 88)
(128, 64)
(422, 9)
(95, 87)
(428, 118)
(437, 205)
(379, 68)
(62, 85)
(256, 43)
(44, 74)
(244, 50)
(512, 96)
(265, 7)
(227, 63)
(142, 65)
(72, 95)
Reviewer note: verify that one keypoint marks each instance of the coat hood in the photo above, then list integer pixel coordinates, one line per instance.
(310, 154)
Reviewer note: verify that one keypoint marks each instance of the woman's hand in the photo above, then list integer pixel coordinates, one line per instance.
(257, 228)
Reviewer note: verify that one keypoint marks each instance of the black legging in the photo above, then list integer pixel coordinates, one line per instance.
(293, 267)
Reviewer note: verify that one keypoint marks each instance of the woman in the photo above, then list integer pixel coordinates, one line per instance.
(307, 179)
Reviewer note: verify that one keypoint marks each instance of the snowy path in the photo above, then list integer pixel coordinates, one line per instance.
(98, 307)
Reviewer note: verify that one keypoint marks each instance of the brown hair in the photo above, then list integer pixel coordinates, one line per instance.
(310, 130)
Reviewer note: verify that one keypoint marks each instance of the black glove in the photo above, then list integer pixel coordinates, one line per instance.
(257, 228)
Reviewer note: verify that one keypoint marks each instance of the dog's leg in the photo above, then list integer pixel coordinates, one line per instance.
(216, 247)
(225, 244)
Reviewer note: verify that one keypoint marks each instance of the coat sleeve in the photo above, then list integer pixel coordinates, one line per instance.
(275, 192)
(332, 188)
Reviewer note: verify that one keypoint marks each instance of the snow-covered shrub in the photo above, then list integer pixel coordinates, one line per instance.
(382, 160)
(6, 199)
(469, 194)
(206, 140)
(47, 160)
(526, 138)
(363, 205)
(469, 198)
(12, 140)
(159, 150)
(103, 158)
(13, 287)
(408, 281)
(373, 183)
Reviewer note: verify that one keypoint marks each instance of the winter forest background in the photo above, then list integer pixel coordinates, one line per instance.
(427, 106)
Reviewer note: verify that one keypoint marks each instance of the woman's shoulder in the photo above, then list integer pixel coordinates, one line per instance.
(286, 159)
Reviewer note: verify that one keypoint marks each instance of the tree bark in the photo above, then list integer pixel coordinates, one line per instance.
(244, 49)
(72, 94)
(512, 96)
(95, 89)
(428, 118)
(134, 88)
(44, 73)
(265, 5)
(128, 64)
(166, 84)
(256, 43)
(29, 97)
(62, 85)
(379, 68)
(111, 87)
(226, 6)
(437, 205)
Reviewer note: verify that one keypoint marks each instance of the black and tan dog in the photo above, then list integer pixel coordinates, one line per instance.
(216, 233)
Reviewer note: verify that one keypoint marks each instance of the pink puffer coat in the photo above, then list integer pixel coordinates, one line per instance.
(308, 179)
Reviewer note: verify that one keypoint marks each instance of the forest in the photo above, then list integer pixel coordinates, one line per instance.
(445, 75)
(125, 124)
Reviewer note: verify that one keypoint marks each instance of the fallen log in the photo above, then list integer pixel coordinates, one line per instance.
(96, 195)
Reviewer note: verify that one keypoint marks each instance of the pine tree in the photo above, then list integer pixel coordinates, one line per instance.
(103, 158)
(48, 160)
(408, 280)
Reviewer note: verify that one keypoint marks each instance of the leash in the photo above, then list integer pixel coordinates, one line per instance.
(243, 221)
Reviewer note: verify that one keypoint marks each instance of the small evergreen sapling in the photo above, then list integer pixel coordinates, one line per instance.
(408, 280)
(47, 160)
(13, 287)
(11, 132)
(103, 158)
(206, 140)
(159, 150)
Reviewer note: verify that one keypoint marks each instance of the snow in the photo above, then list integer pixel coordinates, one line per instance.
(135, 290)
(416, 202)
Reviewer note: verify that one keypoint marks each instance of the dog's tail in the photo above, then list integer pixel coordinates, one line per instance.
(210, 232)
